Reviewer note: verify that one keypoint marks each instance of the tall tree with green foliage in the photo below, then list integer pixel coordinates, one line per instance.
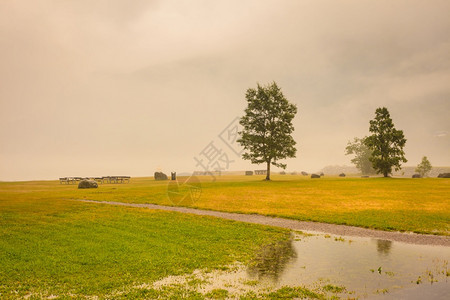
(362, 155)
(267, 127)
(424, 167)
(386, 143)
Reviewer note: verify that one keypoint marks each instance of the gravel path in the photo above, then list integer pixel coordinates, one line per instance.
(412, 238)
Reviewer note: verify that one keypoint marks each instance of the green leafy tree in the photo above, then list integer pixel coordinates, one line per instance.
(362, 155)
(267, 127)
(386, 143)
(424, 167)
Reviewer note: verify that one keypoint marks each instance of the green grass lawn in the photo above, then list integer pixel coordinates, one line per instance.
(72, 249)
(405, 204)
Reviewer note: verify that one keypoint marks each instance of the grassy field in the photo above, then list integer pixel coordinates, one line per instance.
(50, 245)
(416, 205)
(71, 249)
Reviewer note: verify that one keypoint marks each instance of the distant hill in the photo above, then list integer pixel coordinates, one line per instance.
(336, 170)
(409, 171)
(406, 171)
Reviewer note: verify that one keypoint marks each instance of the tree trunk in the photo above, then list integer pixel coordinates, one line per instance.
(268, 171)
(385, 174)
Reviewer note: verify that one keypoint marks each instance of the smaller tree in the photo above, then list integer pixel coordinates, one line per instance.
(424, 167)
(362, 155)
(386, 143)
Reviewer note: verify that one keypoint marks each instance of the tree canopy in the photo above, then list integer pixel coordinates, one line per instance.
(424, 167)
(362, 155)
(386, 143)
(267, 127)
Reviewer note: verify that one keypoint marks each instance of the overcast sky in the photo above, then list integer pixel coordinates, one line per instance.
(91, 88)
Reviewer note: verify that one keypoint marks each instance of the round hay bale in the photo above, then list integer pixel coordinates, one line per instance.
(444, 175)
(87, 184)
(160, 176)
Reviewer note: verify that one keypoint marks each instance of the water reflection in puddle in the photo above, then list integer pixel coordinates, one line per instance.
(271, 261)
(365, 267)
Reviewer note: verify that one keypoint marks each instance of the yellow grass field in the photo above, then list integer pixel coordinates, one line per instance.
(404, 204)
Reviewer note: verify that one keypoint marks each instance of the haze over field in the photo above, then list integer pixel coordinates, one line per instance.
(127, 87)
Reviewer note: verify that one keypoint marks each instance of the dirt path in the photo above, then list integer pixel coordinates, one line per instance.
(412, 238)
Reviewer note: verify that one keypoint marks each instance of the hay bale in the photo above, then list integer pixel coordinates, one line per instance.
(315, 176)
(160, 176)
(444, 175)
(87, 184)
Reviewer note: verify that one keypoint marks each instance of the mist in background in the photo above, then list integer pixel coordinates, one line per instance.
(91, 88)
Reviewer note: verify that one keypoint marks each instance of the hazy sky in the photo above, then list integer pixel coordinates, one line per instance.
(128, 87)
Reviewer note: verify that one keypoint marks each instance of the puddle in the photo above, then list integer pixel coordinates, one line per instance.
(365, 267)
(349, 267)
